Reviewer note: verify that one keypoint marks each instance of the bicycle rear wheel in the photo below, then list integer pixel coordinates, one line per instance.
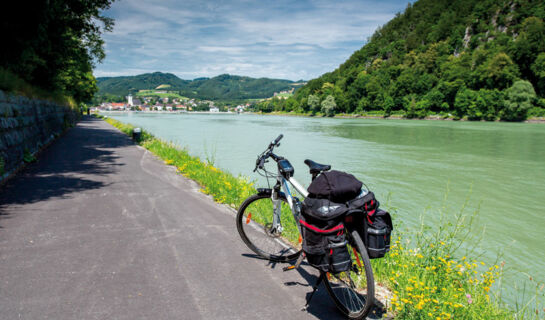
(254, 224)
(353, 291)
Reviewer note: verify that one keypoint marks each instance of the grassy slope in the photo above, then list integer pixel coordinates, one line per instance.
(147, 93)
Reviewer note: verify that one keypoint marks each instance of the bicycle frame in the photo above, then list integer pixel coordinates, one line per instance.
(282, 183)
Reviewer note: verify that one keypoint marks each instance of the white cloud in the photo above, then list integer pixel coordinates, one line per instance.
(221, 49)
(278, 39)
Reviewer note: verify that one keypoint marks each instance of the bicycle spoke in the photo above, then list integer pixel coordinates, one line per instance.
(255, 224)
(353, 290)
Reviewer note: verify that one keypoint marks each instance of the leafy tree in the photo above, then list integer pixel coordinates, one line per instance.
(490, 103)
(538, 68)
(363, 105)
(388, 105)
(529, 43)
(291, 104)
(409, 104)
(418, 109)
(449, 89)
(329, 105)
(499, 72)
(313, 103)
(518, 99)
(54, 44)
(465, 103)
(435, 98)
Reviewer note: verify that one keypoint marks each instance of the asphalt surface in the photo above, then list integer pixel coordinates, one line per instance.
(99, 228)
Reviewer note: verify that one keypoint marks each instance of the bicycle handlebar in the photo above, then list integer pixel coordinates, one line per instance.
(278, 139)
(260, 162)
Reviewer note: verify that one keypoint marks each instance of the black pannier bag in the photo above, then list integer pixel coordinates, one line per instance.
(378, 230)
(377, 226)
(334, 193)
(336, 186)
(324, 240)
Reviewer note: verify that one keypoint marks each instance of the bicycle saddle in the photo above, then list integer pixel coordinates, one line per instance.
(316, 167)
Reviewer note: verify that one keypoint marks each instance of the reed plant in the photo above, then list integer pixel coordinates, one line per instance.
(431, 273)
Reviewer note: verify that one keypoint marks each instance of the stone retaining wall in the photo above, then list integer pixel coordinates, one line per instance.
(26, 125)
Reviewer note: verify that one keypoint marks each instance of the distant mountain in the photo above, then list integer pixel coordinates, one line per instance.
(222, 87)
(121, 86)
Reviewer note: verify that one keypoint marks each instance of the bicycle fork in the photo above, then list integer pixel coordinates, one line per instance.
(276, 227)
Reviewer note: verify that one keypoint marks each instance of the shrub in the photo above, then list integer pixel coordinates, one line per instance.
(518, 100)
(418, 109)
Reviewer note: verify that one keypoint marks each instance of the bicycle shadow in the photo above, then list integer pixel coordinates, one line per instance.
(321, 305)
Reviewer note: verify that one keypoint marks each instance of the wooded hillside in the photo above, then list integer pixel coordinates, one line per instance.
(222, 87)
(467, 58)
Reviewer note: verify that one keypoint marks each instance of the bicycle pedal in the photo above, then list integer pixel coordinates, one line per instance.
(288, 268)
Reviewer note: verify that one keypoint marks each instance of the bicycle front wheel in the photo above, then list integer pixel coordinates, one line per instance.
(353, 291)
(255, 226)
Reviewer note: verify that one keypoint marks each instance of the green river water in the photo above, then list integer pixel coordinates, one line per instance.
(499, 166)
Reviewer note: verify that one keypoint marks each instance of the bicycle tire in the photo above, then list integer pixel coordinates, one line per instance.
(343, 287)
(252, 227)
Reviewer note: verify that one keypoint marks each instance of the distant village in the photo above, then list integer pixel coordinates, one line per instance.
(166, 104)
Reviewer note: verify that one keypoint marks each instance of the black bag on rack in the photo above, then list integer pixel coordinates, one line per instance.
(376, 227)
(379, 228)
(324, 239)
(336, 186)
(332, 196)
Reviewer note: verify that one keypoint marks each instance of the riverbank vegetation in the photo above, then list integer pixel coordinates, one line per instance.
(432, 273)
(53, 47)
(479, 60)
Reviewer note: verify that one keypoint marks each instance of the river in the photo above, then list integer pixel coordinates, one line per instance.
(498, 167)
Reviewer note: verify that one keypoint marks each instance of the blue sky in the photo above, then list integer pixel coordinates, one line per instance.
(275, 39)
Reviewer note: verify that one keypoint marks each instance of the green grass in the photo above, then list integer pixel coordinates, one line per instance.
(261, 213)
(427, 279)
(11, 83)
(429, 271)
(146, 93)
(284, 95)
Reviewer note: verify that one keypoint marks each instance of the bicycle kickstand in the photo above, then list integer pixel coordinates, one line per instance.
(314, 288)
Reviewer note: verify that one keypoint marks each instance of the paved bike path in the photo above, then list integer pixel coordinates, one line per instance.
(99, 228)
